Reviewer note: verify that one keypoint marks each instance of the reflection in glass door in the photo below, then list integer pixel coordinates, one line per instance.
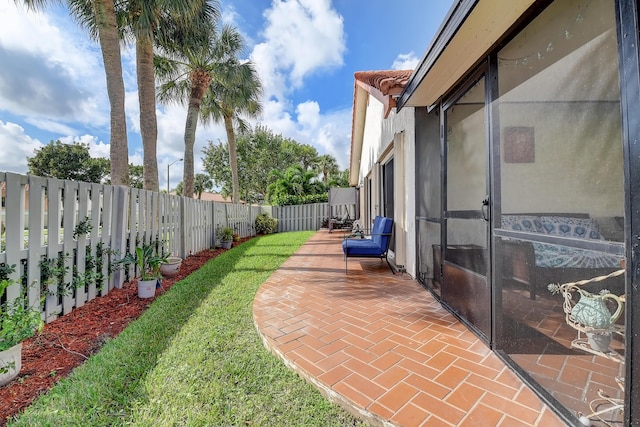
(387, 189)
(466, 287)
(561, 216)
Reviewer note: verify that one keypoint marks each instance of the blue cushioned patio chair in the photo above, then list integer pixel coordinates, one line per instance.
(375, 246)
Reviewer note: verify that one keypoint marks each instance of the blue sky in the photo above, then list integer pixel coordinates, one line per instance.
(52, 83)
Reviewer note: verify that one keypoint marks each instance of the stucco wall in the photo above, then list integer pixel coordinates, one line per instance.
(372, 137)
(379, 133)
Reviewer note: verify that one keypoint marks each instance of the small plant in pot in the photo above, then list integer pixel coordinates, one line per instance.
(226, 237)
(147, 262)
(18, 321)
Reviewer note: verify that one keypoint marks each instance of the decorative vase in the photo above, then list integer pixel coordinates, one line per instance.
(147, 288)
(591, 310)
(10, 363)
(171, 267)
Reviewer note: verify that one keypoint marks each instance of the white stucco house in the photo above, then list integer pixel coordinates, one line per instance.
(509, 161)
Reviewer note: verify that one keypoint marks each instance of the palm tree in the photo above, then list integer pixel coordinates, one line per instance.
(99, 17)
(234, 91)
(294, 181)
(327, 166)
(185, 69)
(202, 182)
(145, 20)
(340, 180)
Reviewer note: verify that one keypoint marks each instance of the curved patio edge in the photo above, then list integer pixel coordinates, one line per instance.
(324, 389)
(383, 347)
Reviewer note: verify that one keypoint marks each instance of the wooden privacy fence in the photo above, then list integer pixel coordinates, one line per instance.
(307, 217)
(65, 236)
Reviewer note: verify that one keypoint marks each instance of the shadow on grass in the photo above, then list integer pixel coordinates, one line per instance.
(112, 385)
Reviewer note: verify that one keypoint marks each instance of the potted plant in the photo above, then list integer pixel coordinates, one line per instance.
(171, 266)
(18, 321)
(147, 262)
(226, 237)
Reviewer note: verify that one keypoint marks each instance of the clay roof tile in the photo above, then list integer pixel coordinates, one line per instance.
(388, 82)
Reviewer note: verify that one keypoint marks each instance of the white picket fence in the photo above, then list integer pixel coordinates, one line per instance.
(82, 228)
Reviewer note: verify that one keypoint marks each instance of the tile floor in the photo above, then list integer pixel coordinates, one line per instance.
(380, 345)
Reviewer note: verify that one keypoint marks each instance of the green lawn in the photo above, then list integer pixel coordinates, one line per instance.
(194, 359)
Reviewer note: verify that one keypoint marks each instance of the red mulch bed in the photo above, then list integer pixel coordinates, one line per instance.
(69, 340)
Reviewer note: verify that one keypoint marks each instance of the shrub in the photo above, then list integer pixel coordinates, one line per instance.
(265, 224)
(18, 319)
(294, 199)
(226, 234)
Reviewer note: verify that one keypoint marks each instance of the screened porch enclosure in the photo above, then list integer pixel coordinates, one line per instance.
(552, 171)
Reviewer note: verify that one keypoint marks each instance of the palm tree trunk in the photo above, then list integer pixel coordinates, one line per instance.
(148, 121)
(110, 45)
(233, 158)
(189, 142)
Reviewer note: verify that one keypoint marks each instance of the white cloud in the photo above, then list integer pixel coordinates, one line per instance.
(333, 134)
(96, 148)
(136, 159)
(132, 110)
(53, 79)
(50, 77)
(301, 37)
(171, 122)
(330, 133)
(405, 61)
(51, 125)
(229, 15)
(15, 146)
(308, 114)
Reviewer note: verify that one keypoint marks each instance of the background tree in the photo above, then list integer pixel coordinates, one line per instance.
(185, 67)
(303, 154)
(259, 151)
(216, 163)
(327, 166)
(294, 185)
(234, 92)
(105, 168)
(73, 161)
(66, 161)
(307, 155)
(99, 18)
(135, 176)
(340, 180)
(179, 189)
(145, 20)
(202, 183)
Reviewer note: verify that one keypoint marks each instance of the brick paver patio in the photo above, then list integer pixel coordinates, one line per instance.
(381, 346)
